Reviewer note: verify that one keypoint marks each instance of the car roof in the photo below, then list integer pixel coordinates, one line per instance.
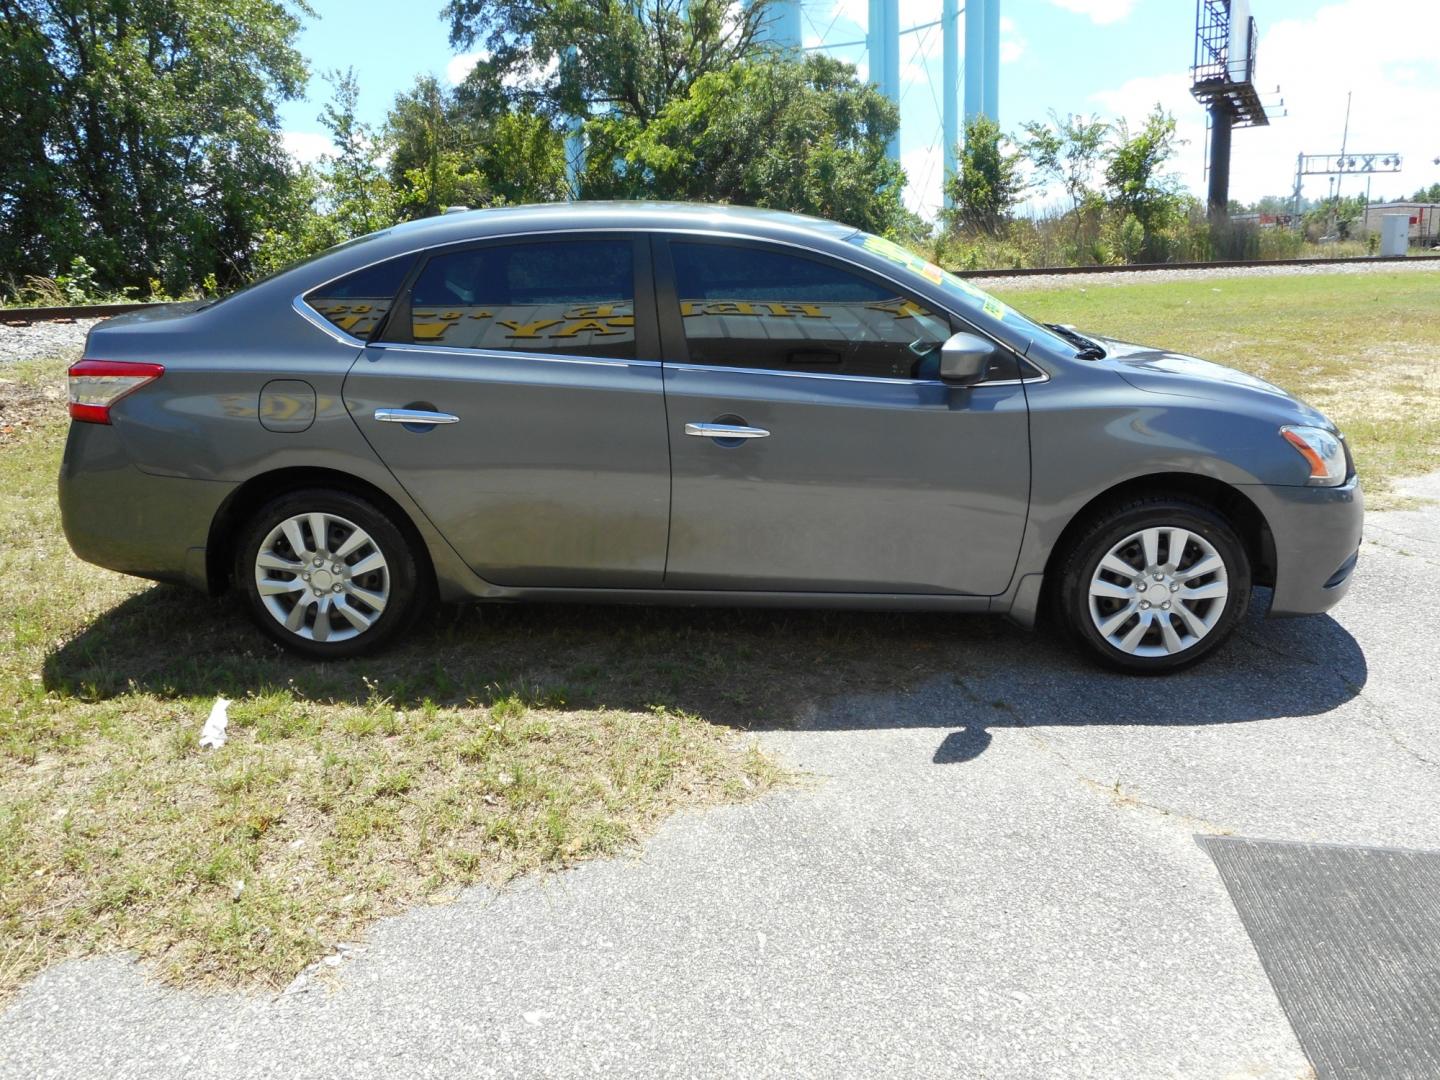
(474, 225)
(618, 214)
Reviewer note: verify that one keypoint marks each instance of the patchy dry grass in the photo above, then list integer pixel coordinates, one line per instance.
(1364, 348)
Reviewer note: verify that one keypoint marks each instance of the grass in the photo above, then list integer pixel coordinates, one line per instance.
(1363, 348)
(500, 740)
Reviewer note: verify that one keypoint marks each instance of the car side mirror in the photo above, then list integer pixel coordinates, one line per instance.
(964, 359)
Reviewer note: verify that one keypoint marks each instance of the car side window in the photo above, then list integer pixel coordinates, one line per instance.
(569, 297)
(757, 307)
(357, 302)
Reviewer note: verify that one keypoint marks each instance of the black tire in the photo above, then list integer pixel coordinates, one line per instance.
(398, 580)
(1100, 535)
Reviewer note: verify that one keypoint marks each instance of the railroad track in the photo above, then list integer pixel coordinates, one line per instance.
(26, 316)
(1217, 264)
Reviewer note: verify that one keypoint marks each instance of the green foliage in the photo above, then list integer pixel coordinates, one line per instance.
(1139, 188)
(803, 135)
(142, 135)
(1341, 218)
(344, 195)
(1430, 194)
(1068, 152)
(449, 152)
(358, 197)
(987, 184)
(629, 59)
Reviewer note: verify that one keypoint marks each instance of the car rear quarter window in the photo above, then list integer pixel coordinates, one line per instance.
(570, 297)
(756, 307)
(357, 302)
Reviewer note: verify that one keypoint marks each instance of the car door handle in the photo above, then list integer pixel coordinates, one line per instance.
(415, 416)
(726, 431)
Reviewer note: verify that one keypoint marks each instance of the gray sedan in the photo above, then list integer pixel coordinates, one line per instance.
(657, 403)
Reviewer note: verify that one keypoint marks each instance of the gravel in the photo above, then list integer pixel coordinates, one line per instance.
(1132, 277)
(41, 340)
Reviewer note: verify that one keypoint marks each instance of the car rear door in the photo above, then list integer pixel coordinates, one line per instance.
(813, 446)
(516, 394)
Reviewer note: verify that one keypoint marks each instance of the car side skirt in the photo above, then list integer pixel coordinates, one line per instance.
(749, 598)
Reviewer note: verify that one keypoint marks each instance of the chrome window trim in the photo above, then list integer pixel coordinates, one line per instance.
(313, 317)
(509, 354)
(883, 379)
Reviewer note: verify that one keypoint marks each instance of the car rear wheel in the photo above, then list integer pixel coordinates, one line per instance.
(1154, 585)
(327, 574)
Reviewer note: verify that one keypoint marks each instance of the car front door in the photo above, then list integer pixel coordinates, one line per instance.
(813, 447)
(516, 395)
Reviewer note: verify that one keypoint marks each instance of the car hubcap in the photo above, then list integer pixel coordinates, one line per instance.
(322, 577)
(1158, 592)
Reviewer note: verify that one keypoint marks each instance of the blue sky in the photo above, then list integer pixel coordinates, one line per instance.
(1113, 57)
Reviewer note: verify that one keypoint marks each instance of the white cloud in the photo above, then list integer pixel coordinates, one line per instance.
(306, 147)
(1012, 44)
(1316, 60)
(1102, 12)
(1133, 100)
(461, 66)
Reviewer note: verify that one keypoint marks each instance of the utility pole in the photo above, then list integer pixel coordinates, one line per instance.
(1335, 192)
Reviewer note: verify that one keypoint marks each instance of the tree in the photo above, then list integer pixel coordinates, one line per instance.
(343, 195)
(447, 152)
(143, 135)
(358, 197)
(988, 183)
(623, 57)
(794, 135)
(1068, 152)
(422, 143)
(1135, 179)
(38, 230)
(1430, 194)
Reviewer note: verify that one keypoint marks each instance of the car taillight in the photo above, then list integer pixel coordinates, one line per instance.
(96, 385)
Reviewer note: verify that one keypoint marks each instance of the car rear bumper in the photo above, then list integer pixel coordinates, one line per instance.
(123, 519)
(1317, 542)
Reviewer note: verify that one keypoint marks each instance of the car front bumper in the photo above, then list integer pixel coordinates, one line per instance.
(1316, 532)
(124, 519)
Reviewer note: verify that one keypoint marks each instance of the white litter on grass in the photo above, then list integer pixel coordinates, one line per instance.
(212, 735)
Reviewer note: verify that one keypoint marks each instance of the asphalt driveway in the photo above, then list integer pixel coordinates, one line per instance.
(993, 875)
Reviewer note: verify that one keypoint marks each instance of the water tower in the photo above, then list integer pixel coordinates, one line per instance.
(980, 59)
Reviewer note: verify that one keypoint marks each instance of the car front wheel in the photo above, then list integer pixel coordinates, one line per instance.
(1154, 585)
(327, 574)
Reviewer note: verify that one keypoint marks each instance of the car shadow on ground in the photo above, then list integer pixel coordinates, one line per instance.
(755, 669)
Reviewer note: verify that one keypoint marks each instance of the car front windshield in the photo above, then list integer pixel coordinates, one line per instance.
(970, 298)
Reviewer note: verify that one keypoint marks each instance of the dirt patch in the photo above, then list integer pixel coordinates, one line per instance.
(25, 405)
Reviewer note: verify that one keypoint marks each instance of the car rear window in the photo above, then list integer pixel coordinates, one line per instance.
(573, 297)
(357, 302)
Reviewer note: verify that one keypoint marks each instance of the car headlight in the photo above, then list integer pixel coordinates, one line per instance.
(1323, 451)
